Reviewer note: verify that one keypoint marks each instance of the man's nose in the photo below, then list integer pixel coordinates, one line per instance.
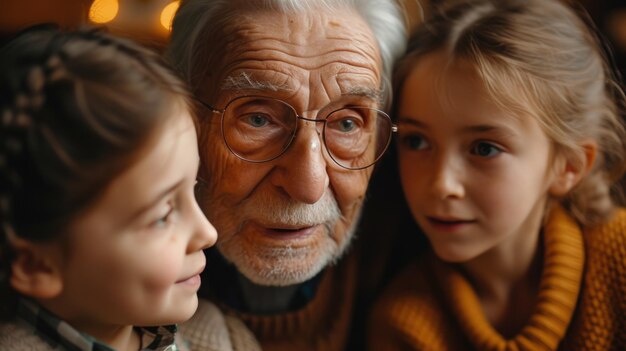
(301, 172)
(447, 178)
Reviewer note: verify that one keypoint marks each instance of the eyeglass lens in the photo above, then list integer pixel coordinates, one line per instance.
(260, 129)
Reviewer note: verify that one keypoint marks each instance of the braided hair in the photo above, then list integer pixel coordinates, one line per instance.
(75, 107)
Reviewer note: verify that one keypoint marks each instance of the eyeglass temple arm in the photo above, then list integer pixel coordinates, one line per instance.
(213, 109)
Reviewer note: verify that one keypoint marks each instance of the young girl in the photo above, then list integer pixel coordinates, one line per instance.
(510, 150)
(100, 231)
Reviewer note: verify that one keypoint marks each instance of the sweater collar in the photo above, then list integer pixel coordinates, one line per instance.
(58, 333)
(559, 287)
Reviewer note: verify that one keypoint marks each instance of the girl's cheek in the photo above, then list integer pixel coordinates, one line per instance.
(165, 272)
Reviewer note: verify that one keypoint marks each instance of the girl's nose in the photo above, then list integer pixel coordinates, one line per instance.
(204, 234)
(447, 181)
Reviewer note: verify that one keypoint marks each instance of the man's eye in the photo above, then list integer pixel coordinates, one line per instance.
(485, 149)
(348, 120)
(257, 120)
(346, 125)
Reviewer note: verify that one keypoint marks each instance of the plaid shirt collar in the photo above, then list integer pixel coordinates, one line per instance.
(58, 333)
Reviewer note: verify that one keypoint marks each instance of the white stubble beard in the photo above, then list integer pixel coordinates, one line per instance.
(283, 266)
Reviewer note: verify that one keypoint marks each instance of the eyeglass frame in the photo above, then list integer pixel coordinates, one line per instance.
(393, 129)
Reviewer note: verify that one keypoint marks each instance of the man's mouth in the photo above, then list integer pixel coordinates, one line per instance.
(292, 230)
(289, 232)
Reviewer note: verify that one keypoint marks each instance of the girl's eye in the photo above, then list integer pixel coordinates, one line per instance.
(414, 142)
(198, 187)
(485, 149)
(165, 219)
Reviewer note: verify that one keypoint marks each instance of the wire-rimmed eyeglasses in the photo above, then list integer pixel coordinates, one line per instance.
(260, 129)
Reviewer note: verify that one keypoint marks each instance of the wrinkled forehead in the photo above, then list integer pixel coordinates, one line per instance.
(305, 30)
(283, 52)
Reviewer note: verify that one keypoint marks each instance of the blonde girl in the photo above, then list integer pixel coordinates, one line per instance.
(511, 149)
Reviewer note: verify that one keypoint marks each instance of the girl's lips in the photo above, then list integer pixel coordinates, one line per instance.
(448, 220)
(191, 281)
(448, 224)
(192, 278)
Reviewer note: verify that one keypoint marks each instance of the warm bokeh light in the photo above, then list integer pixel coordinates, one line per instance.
(616, 25)
(103, 11)
(167, 15)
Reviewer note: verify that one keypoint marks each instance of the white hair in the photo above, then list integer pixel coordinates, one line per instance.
(197, 17)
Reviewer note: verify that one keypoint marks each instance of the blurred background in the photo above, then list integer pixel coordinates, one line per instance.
(148, 21)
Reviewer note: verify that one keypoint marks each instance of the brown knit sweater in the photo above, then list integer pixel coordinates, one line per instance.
(322, 324)
(581, 303)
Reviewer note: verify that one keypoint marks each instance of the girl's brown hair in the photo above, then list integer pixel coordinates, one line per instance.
(75, 108)
(540, 58)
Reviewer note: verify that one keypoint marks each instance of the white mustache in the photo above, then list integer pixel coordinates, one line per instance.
(280, 210)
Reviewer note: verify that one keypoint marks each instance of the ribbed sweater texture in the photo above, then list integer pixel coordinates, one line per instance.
(581, 303)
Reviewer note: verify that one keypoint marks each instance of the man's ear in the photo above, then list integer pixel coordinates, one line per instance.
(35, 270)
(569, 173)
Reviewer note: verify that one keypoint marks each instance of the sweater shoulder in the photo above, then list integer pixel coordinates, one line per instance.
(411, 314)
(607, 241)
(16, 337)
(409, 287)
(600, 319)
(411, 298)
(211, 329)
(605, 263)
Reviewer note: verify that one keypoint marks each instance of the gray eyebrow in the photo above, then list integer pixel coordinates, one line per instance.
(245, 81)
(372, 93)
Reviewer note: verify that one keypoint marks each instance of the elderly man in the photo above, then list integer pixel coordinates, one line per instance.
(291, 125)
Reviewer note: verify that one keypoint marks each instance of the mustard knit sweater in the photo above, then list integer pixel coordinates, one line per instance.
(581, 302)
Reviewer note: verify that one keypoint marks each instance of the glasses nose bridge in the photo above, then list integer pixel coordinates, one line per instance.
(319, 127)
(319, 123)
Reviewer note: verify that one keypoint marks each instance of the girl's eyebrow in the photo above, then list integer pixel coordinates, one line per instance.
(413, 122)
(470, 129)
(487, 128)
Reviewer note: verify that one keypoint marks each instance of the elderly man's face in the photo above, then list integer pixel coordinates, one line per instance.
(282, 221)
